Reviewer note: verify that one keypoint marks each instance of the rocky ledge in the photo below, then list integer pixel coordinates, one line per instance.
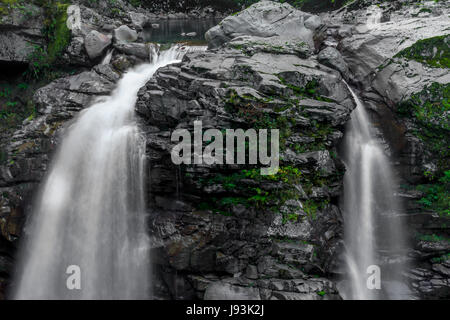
(226, 231)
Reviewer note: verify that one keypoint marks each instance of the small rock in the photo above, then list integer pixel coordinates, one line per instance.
(251, 272)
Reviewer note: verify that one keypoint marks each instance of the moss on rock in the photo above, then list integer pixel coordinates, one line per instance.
(434, 52)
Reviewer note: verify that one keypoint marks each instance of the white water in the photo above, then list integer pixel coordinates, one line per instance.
(375, 14)
(108, 56)
(91, 209)
(372, 232)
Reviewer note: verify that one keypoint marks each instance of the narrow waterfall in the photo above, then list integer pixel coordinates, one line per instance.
(373, 234)
(90, 213)
(374, 17)
(108, 56)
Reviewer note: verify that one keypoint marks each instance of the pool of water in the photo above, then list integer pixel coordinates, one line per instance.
(170, 31)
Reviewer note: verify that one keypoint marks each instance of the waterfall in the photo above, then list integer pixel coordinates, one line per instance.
(90, 213)
(373, 232)
(108, 56)
(375, 14)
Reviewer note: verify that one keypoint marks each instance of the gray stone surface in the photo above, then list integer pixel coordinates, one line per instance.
(266, 19)
(96, 44)
(226, 291)
(125, 34)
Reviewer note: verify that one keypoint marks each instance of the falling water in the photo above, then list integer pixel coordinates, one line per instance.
(90, 212)
(108, 56)
(373, 233)
(375, 14)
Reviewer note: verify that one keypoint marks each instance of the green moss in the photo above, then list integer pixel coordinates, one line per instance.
(441, 259)
(430, 109)
(253, 112)
(7, 5)
(58, 32)
(43, 60)
(432, 238)
(321, 293)
(433, 51)
(310, 90)
(437, 195)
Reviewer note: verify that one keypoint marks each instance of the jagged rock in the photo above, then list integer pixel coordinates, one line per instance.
(125, 34)
(76, 53)
(364, 51)
(29, 148)
(96, 44)
(141, 50)
(333, 59)
(139, 20)
(266, 19)
(251, 272)
(121, 63)
(21, 31)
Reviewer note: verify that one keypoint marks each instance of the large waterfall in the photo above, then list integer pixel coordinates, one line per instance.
(374, 238)
(89, 219)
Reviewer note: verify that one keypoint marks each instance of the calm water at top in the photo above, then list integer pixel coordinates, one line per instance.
(171, 30)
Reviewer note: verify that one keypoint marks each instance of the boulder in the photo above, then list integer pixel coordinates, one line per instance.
(140, 50)
(332, 58)
(266, 19)
(125, 34)
(96, 44)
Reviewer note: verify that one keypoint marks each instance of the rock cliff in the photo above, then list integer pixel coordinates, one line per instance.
(225, 231)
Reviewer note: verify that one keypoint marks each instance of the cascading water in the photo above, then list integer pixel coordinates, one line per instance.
(373, 232)
(91, 210)
(108, 56)
(375, 14)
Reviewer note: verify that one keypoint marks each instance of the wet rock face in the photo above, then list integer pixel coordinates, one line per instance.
(365, 48)
(221, 230)
(21, 30)
(30, 148)
(267, 19)
(400, 66)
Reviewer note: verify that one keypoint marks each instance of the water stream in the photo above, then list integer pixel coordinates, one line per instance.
(90, 213)
(374, 236)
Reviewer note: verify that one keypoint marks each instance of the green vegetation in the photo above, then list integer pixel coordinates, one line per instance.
(57, 32)
(43, 61)
(321, 293)
(44, 65)
(310, 90)
(7, 5)
(441, 259)
(252, 111)
(437, 195)
(249, 188)
(430, 109)
(434, 52)
(431, 238)
(12, 111)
